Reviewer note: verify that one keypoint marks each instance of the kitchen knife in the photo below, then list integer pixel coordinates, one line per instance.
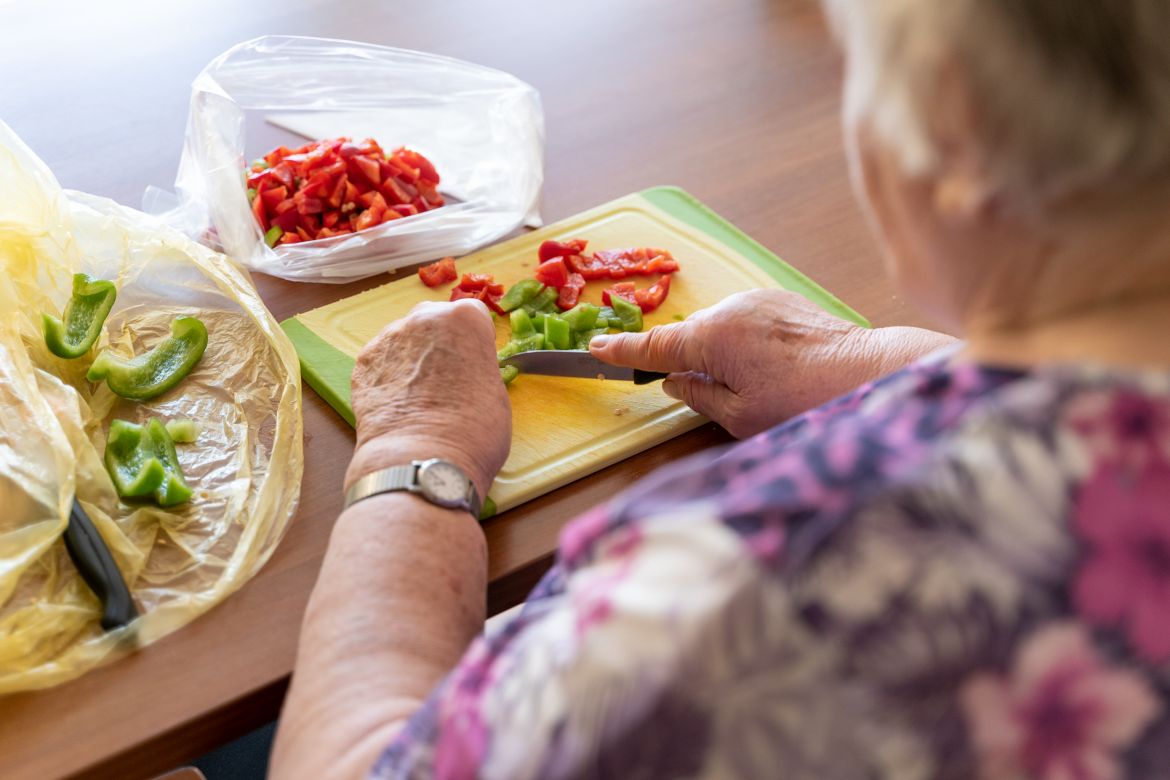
(92, 558)
(576, 363)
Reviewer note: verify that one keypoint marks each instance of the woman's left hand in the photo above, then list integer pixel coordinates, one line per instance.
(428, 386)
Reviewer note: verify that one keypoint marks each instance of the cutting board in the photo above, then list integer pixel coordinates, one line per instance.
(564, 429)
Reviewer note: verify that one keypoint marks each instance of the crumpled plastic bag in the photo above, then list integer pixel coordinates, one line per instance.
(482, 128)
(245, 466)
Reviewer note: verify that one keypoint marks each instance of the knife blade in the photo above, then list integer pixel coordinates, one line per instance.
(576, 363)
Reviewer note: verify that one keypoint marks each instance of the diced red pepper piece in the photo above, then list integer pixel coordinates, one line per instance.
(439, 272)
(367, 219)
(553, 273)
(571, 292)
(485, 295)
(621, 290)
(369, 168)
(406, 209)
(273, 196)
(259, 212)
(426, 171)
(620, 263)
(652, 297)
(550, 249)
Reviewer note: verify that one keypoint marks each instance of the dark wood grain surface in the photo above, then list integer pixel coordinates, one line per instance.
(735, 100)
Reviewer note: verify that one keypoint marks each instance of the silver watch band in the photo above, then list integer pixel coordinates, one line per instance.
(405, 478)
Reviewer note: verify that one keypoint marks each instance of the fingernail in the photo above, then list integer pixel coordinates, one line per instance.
(671, 389)
(598, 341)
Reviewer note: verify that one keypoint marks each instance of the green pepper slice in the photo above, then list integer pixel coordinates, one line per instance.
(142, 462)
(521, 324)
(519, 294)
(556, 333)
(629, 314)
(153, 373)
(84, 316)
(581, 317)
(544, 302)
(508, 373)
(273, 235)
(182, 431)
(581, 340)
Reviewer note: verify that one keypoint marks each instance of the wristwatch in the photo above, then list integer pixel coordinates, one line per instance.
(438, 481)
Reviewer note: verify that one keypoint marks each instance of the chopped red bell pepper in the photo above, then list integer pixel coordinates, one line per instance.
(553, 273)
(648, 299)
(570, 293)
(621, 290)
(550, 249)
(492, 301)
(620, 263)
(334, 187)
(652, 297)
(439, 272)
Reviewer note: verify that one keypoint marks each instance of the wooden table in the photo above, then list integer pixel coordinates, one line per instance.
(735, 100)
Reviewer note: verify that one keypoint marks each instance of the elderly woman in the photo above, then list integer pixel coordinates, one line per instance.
(959, 568)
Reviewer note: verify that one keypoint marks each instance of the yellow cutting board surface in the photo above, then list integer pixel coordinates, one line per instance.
(565, 428)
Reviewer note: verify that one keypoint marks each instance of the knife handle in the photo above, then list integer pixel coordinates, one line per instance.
(646, 377)
(92, 558)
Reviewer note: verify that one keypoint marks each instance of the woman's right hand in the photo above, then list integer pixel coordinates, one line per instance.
(758, 358)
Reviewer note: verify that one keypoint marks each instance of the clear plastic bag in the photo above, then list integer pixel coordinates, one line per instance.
(245, 465)
(483, 130)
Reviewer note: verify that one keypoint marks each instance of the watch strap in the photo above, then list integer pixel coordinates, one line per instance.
(385, 480)
(405, 477)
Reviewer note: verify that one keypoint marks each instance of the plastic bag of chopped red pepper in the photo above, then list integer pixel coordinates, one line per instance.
(463, 146)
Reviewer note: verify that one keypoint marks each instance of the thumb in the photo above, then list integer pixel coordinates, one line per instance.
(703, 394)
(673, 347)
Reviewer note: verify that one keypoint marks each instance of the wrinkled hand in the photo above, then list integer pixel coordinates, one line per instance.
(757, 358)
(428, 386)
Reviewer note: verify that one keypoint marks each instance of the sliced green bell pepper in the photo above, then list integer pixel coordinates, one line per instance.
(581, 317)
(581, 340)
(607, 318)
(521, 324)
(182, 431)
(508, 373)
(153, 373)
(543, 302)
(142, 463)
(519, 294)
(628, 314)
(273, 235)
(84, 316)
(556, 333)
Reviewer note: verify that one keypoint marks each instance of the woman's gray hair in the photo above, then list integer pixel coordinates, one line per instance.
(1068, 95)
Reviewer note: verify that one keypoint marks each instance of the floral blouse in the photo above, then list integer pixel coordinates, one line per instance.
(956, 572)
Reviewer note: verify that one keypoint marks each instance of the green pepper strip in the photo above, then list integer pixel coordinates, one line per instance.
(84, 316)
(556, 333)
(508, 373)
(154, 372)
(273, 235)
(142, 463)
(519, 294)
(629, 314)
(544, 302)
(581, 317)
(182, 431)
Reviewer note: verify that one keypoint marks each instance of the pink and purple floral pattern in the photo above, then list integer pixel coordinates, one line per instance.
(957, 572)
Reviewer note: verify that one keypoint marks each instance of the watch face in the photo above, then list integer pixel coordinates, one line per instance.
(443, 483)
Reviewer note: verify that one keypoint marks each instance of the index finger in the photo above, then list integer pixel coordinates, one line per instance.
(669, 348)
